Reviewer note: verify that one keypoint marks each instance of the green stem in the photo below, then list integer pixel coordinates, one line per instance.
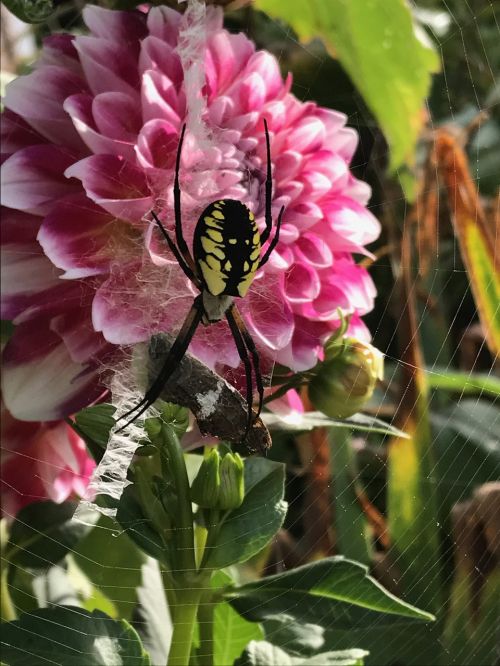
(184, 532)
(184, 623)
(7, 609)
(206, 628)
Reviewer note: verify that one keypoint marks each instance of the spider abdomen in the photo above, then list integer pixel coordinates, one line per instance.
(226, 248)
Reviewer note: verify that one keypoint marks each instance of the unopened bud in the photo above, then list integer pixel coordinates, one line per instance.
(232, 484)
(206, 485)
(347, 378)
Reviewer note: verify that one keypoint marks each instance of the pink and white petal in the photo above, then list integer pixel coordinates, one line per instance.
(157, 145)
(40, 382)
(161, 57)
(38, 98)
(312, 249)
(301, 284)
(345, 143)
(251, 93)
(79, 108)
(355, 283)
(114, 184)
(127, 308)
(214, 346)
(75, 330)
(281, 259)
(358, 329)
(59, 50)
(19, 227)
(352, 226)
(267, 314)
(306, 136)
(89, 245)
(107, 66)
(220, 110)
(226, 56)
(160, 99)
(26, 274)
(117, 115)
(333, 121)
(33, 179)
(287, 165)
(287, 405)
(303, 215)
(127, 28)
(305, 346)
(358, 190)
(266, 66)
(324, 307)
(16, 134)
(163, 23)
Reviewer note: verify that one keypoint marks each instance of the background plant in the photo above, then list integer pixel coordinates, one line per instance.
(416, 510)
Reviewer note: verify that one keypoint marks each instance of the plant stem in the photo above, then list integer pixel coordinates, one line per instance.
(184, 622)
(206, 628)
(7, 609)
(184, 532)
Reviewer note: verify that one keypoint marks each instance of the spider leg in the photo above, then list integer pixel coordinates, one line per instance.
(243, 354)
(269, 188)
(275, 240)
(174, 356)
(250, 345)
(180, 259)
(181, 243)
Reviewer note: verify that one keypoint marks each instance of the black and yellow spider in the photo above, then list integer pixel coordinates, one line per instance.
(226, 256)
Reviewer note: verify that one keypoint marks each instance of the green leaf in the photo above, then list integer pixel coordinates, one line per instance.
(247, 529)
(262, 653)
(151, 616)
(350, 522)
(43, 532)
(310, 420)
(93, 424)
(303, 638)
(31, 11)
(231, 632)
(467, 446)
(112, 562)
(336, 590)
(463, 382)
(377, 44)
(138, 526)
(69, 635)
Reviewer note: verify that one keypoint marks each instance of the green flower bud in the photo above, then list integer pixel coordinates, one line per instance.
(232, 484)
(206, 486)
(152, 426)
(345, 381)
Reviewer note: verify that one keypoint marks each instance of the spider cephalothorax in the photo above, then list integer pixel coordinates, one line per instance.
(226, 255)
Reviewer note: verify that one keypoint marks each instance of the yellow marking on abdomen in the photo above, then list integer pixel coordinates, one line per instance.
(214, 235)
(232, 241)
(212, 248)
(245, 283)
(214, 279)
(210, 222)
(213, 262)
(227, 265)
(218, 214)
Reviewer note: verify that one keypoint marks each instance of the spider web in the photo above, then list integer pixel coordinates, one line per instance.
(466, 35)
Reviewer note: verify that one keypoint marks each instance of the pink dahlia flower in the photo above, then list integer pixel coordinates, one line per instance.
(89, 140)
(40, 461)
